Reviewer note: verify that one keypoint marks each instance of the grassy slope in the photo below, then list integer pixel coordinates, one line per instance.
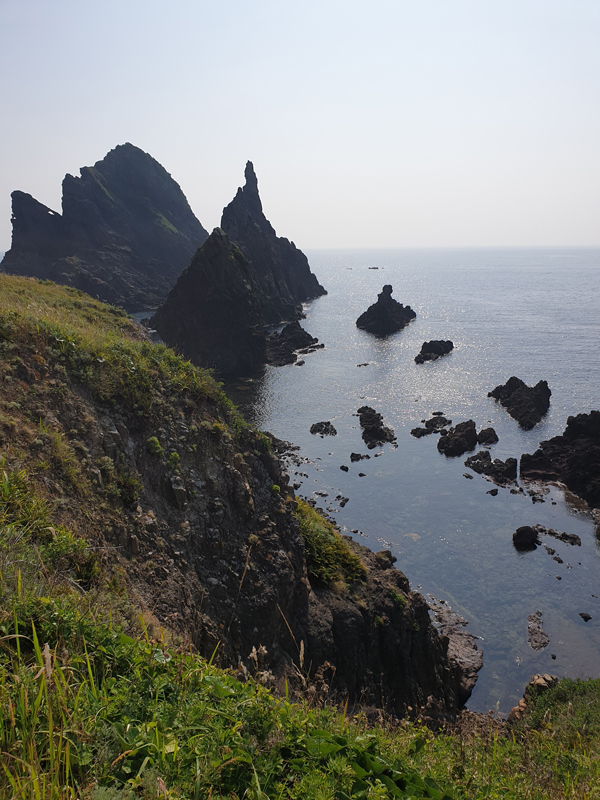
(91, 705)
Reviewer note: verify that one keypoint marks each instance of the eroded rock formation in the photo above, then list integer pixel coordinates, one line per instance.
(431, 351)
(125, 234)
(526, 404)
(572, 459)
(386, 315)
(501, 472)
(374, 431)
(281, 275)
(458, 440)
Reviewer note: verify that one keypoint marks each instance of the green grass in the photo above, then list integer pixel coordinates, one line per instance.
(329, 557)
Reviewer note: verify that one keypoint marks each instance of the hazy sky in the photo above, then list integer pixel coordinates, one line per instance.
(387, 123)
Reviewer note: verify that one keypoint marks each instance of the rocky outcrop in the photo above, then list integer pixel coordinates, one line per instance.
(283, 347)
(125, 234)
(526, 404)
(526, 538)
(487, 436)
(433, 425)
(323, 429)
(431, 351)
(458, 440)
(501, 472)
(374, 431)
(537, 638)
(386, 315)
(280, 273)
(212, 315)
(572, 459)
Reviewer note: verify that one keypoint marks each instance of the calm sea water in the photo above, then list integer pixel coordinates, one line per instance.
(533, 313)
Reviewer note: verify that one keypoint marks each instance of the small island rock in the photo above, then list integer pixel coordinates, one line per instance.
(386, 315)
(458, 440)
(526, 404)
(431, 351)
(323, 429)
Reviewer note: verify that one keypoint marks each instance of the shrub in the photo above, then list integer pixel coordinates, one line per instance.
(329, 557)
(154, 447)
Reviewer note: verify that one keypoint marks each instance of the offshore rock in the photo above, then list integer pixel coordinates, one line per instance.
(537, 638)
(526, 538)
(374, 431)
(526, 404)
(125, 234)
(458, 440)
(501, 472)
(280, 273)
(572, 459)
(282, 347)
(386, 315)
(211, 315)
(487, 436)
(323, 429)
(431, 351)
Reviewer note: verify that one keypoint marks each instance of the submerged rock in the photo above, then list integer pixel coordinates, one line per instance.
(125, 234)
(526, 404)
(572, 459)
(431, 351)
(537, 638)
(386, 315)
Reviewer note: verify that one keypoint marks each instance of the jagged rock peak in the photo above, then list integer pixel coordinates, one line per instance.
(280, 272)
(212, 315)
(386, 315)
(125, 234)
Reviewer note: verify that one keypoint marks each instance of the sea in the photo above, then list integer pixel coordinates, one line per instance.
(529, 312)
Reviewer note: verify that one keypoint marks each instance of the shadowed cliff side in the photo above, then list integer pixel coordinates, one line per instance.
(212, 313)
(280, 271)
(125, 234)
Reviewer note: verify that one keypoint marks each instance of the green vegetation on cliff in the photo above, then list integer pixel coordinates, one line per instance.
(98, 702)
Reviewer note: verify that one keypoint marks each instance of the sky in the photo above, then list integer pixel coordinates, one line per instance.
(392, 123)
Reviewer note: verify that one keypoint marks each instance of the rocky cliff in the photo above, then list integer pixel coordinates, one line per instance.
(141, 453)
(280, 272)
(125, 234)
(212, 314)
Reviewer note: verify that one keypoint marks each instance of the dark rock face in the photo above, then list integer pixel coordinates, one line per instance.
(374, 431)
(458, 440)
(125, 234)
(572, 459)
(526, 538)
(567, 538)
(501, 472)
(282, 347)
(526, 404)
(433, 425)
(386, 315)
(431, 351)
(487, 436)
(323, 429)
(281, 275)
(211, 315)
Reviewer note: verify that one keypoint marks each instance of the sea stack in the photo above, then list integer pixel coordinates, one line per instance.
(212, 314)
(386, 315)
(280, 272)
(125, 234)
(526, 404)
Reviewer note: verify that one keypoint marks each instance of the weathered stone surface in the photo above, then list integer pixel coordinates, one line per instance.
(431, 351)
(526, 538)
(572, 459)
(280, 273)
(537, 638)
(433, 425)
(567, 538)
(211, 315)
(487, 436)
(526, 404)
(125, 234)
(501, 472)
(386, 315)
(323, 429)
(282, 347)
(458, 440)
(374, 431)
